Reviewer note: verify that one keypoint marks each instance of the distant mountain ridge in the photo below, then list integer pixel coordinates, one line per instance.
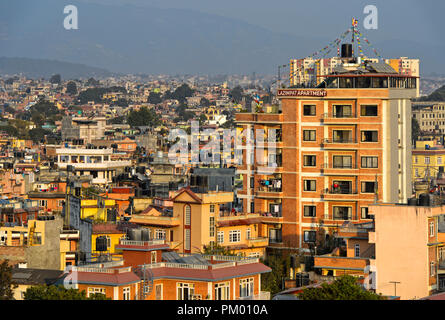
(42, 68)
(149, 40)
(437, 95)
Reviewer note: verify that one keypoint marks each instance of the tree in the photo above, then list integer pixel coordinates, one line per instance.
(38, 134)
(143, 117)
(56, 79)
(345, 287)
(236, 94)
(154, 98)
(182, 92)
(6, 283)
(415, 128)
(280, 265)
(204, 102)
(53, 292)
(71, 88)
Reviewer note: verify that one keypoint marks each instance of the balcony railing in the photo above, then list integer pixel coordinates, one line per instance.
(269, 189)
(345, 115)
(339, 191)
(141, 243)
(346, 141)
(263, 295)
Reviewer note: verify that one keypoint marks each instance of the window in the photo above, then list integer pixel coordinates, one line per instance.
(431, 229)
(252, 207)
(368, 111)
(187, 239)
(342, 213)
(42, 203)
(252, 182)
(309, 236)
(309, 185)
(187, 215)
(427, 160)
(212, 208)
(222, 291)
(235, 236)
(370, 162)
(309, 135)
(153, 257)
(343, 187)
(309, 211)
(309, 161)
(309, 110)
(160, 234)
(248, 235)
(158, 291)
(365, 213)
(357, 250)
(415, 159)
(185, 291)
(212, 226)
(342, 136)
(342, 162)
(93, 290)
(432, 269)
(220, 237)
(369, 136)
(126, 293)
(341, 111)
(246, 287)
(369, 186)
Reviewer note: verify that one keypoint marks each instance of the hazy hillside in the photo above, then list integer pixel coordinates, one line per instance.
(37, 68)
(132, 39)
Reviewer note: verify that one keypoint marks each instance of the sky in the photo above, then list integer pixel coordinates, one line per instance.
(418, 20)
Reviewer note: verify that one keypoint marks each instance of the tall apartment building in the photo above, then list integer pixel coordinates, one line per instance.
(343, 146)
(430, 116)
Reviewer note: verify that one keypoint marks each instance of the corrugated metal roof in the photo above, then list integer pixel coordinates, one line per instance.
(381, 67)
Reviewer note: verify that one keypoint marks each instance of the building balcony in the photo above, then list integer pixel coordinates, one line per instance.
(340, 263)
(108, 165)
(257, 242)
(346, 195)
(263, 295)
(339, 143)
(269, 192)
(161, 221)
(335, 170)
(339, 118)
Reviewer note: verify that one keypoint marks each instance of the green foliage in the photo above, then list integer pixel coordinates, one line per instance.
(45, 108)
(236, 94)
(118, 120)
(143, 117)
(204, 102)
(415, 128)
(10, 130)
(280, 265)
(6, 283)
(345, 287)
(38, 134)
(218, 250)
(52, 292)
(55, 79)
(183, 114)
(71, 88)
(182, 92)
(154, 98)
(96, 94)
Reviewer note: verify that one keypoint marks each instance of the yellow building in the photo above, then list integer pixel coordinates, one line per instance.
(109, 231)
(198, 222)
(428, 160)
(97, 210)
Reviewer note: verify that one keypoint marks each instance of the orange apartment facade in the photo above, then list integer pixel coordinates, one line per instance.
(167, 275)
(338, 150)
(401, 253)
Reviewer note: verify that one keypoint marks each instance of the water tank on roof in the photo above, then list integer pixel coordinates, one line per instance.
(134, 234)
(412, 202)
(346, 50)
(145, 235)
(424, 200)
(101, 243)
